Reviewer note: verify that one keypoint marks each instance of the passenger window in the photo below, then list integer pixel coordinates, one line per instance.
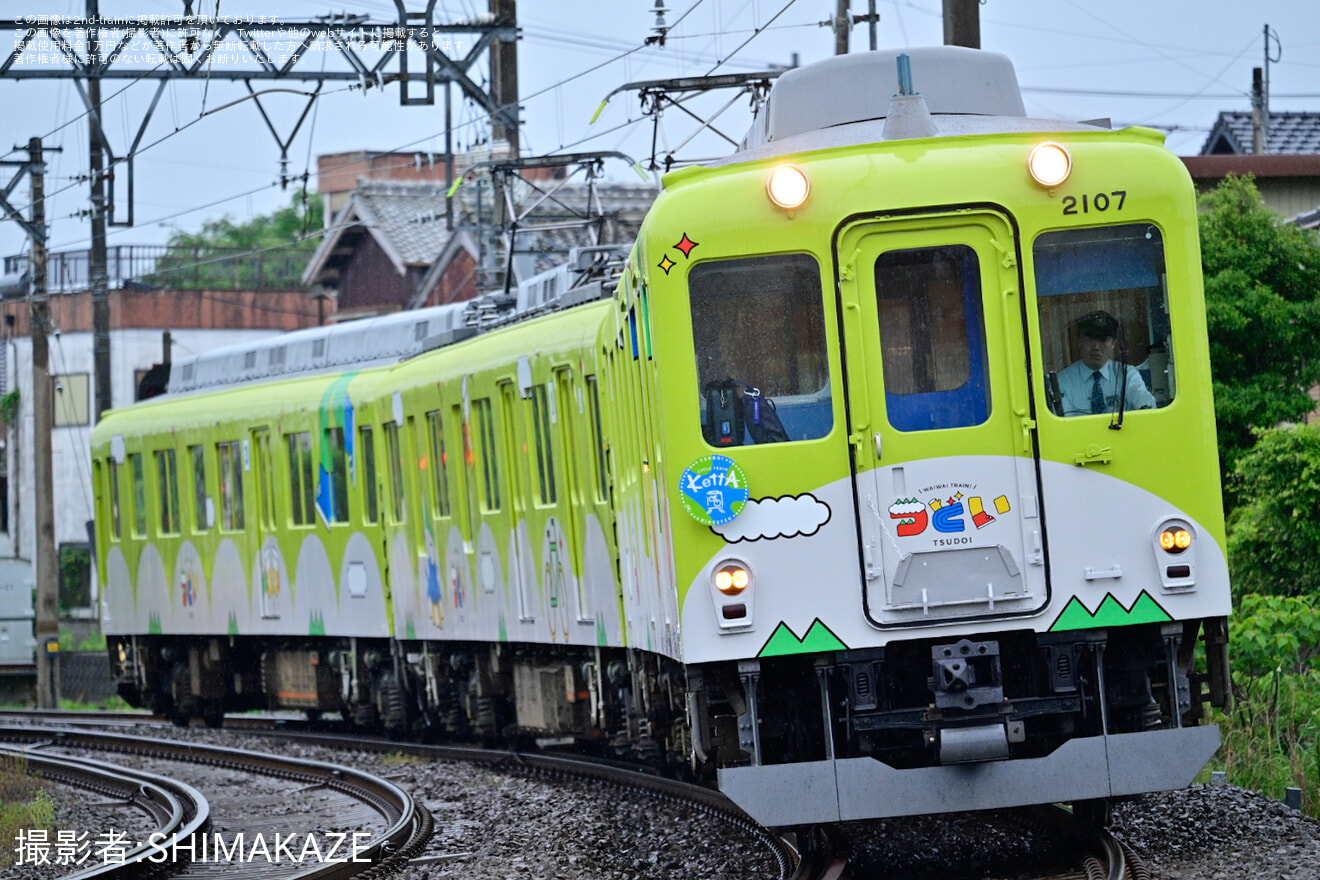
(302, 491)
(167, 482)
(231, 485)
(139, 496)
(593, 400)
(439, 462)
(545, 460)
(758, 326)
(336, 458)
(201, 501)
(367, 450)
(116, 524)
(932, 338)
(394, 457)
(1104, 320)
(485, 429)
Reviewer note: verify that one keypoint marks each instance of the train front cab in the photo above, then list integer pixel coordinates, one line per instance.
(1034, 572)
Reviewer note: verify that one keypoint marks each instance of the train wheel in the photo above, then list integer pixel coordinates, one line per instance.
(1097, 812)
(213, 714)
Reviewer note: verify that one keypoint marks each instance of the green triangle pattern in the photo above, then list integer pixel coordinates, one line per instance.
(1110, 613)
(818, 638)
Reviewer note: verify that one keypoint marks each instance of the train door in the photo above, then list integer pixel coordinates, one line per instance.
(942, 437)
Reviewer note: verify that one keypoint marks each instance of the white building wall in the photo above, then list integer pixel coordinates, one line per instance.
(71, 353)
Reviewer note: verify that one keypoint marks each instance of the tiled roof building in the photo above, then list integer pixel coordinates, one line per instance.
(1291, 133)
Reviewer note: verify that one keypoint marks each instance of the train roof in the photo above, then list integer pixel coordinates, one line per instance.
(854, 98)
(589, 274)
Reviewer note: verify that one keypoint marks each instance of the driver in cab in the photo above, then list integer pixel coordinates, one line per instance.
(1097, 383)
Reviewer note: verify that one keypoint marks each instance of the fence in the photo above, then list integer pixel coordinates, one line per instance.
(178, 268)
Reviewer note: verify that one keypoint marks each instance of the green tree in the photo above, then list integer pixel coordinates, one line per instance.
(1262, 283)
(1274, 534)
(268, 251)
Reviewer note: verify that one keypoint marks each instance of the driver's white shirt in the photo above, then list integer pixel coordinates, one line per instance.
(1076, 380)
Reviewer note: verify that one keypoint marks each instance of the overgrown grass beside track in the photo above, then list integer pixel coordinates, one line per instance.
(1272, 732)
(24, 805)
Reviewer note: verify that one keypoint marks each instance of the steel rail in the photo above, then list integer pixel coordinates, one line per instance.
(409, 824)
(178, 810)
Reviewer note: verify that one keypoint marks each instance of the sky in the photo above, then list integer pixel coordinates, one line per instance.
(1169, 65)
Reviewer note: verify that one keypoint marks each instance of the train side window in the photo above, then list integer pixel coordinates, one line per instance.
(932, 337)
(758, 327)
(1103, 306)
(336, 456)
(167, 482)
(230, 455)
(201, 501)
(116, 523)
(139, 495)
(485, 426)
(302, 491)
(545, 461)
(439, 462)
(367, 455)
(394, 457)
(265, 476)
(598, 452)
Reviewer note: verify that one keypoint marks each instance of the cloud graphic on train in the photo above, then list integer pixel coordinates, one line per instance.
(787, 516)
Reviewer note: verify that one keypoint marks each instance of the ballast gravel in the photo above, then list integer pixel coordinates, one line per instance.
(493, 825)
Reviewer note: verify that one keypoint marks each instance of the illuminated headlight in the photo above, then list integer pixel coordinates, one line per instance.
(732, 578)
(788, 186)
(732, 591)
(1175, 540)
(1049, 164)
(1175, 554)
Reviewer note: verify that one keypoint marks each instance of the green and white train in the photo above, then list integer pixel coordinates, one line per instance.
(810, 496)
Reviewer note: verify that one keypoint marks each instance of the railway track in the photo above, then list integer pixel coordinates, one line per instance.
(276, 817)
(626, 780)
(820, 857)
(176, 811)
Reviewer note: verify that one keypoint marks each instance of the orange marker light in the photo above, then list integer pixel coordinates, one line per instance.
(731, 579)
(1175, 540)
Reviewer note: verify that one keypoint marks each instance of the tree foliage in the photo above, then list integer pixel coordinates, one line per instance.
(1262, 280)
(268, 251)
(1274, 534)
(1275, 633)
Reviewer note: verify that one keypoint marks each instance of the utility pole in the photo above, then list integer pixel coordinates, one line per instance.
(96, 257)
(504, 76)
(962, 23)
(1260, 94)
(841, 27)
(1258, 111)
(47, 563)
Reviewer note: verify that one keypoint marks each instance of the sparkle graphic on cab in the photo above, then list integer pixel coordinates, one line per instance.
(945, 514)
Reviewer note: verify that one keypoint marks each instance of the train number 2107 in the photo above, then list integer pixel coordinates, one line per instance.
(1099, 202)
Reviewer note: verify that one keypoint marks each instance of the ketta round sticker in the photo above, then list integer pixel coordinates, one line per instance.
(714, 490)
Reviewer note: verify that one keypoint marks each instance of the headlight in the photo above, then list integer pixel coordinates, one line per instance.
(732, 578)
(788, 186)
(1050, 164)
(1175, 540)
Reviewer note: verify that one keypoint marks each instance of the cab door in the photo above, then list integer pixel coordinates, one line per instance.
(940, 424)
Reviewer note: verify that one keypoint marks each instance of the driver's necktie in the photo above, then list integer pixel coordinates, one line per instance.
(1097, 395)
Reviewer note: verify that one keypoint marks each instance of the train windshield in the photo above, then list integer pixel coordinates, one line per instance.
(758, 325)
(1104, 320)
